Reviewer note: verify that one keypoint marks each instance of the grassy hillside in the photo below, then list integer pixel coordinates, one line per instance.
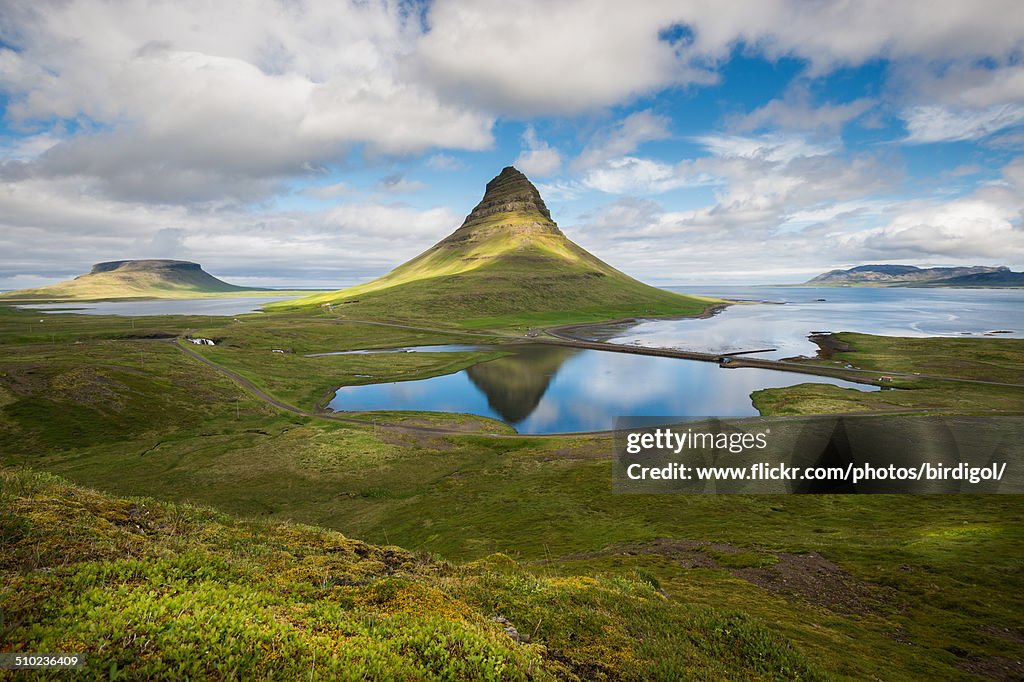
(132, 279)
(149, 590)
(507, 261)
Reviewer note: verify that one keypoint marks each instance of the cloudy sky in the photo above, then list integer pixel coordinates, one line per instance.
(319, 142)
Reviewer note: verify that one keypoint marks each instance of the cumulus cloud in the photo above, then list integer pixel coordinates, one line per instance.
(623, 139)
(443, 162)
(170, 126)
(984, 224)
(775, 161)
(633, 175)
(339, 245)
(178, 109)
(533, 56)
(959, 101)
(803, 219)
(797, 111)
(538, 158)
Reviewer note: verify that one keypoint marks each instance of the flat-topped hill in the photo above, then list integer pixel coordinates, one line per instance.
(507, 259)
(152, 278)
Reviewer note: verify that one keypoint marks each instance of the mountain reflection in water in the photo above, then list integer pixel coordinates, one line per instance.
(515, 384)
(546, 389)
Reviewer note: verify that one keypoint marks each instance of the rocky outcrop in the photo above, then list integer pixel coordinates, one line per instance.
(509, 192)
(147, 265)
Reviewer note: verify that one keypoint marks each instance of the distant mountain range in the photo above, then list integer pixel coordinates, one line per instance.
(981, 276)
(132, 279)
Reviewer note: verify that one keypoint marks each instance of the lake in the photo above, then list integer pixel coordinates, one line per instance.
(887, 312)
(551, 389)
(235, 305)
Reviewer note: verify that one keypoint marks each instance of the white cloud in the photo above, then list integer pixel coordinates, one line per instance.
(331, 191)
(344, 243)
(937, 123)
(773, 148)
(27, 148)
(633, 175)
(984, 224)
(803, 218)
(960, 85)
(970, 227)
(178, 109)
(443, 162)
(538, 158)
(623, 139)
(796, 111)
(536, 56)
(399, 184)
(533, 56)
(959, 101)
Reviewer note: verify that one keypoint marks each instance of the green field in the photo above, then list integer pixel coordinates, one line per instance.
(926, 366)
(606, 586)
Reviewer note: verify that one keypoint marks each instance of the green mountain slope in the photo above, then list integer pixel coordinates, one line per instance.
(131, 279)
(507, 259)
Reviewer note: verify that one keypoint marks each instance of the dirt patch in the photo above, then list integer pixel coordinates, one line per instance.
(24, 379)
(809, 577)
(994, 667)
(814, 578)
(87, 386)
(1009, 634)
(412, 437)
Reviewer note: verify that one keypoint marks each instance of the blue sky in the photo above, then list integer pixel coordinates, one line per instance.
(320, 143)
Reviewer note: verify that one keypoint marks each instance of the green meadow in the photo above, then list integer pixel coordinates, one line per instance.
(409, 542)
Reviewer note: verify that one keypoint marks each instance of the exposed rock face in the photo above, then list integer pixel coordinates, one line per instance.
(510, 191)
(148, 265)
(511, 205)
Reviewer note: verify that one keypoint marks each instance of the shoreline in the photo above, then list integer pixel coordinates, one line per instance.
(564, 331)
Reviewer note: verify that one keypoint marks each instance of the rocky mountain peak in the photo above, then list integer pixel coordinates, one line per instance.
(509, 192)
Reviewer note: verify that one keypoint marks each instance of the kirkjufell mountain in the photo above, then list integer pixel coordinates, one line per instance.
(507, 257)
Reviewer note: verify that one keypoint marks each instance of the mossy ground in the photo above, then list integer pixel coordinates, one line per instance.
(150, 590)
(937, 579)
